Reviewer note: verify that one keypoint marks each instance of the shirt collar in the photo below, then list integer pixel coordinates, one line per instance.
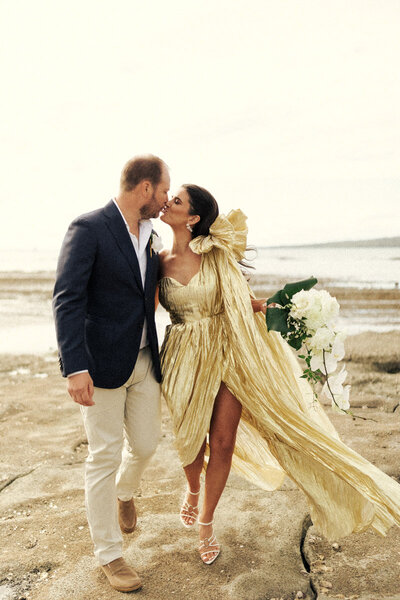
(145, 227)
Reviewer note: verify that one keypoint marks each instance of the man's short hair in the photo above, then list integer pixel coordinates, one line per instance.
(140, 168)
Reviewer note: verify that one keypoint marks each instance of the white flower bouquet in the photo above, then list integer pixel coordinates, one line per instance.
(306, 319)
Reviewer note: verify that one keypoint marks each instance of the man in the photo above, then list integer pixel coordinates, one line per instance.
(104, 312)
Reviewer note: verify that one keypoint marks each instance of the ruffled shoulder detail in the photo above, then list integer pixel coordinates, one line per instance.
(227, 233)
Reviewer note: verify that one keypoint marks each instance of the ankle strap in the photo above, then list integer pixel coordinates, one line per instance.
(193, 493)
(210, 523)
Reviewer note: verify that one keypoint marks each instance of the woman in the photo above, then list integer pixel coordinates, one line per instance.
(227, 378)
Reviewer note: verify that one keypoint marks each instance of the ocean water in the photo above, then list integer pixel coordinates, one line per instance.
(27, 278)
(352, 267)
(342, 267)
(28, 260)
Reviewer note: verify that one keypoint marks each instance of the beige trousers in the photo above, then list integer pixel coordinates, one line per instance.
(133, 409)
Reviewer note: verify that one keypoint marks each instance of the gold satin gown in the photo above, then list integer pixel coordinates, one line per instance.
(215, 337)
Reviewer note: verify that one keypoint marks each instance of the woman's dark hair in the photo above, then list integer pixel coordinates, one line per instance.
(202, 203)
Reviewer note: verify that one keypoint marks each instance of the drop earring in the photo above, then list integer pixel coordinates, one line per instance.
(189, 228)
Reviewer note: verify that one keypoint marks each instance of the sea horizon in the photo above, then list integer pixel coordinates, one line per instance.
(380, 242)
(44, 259)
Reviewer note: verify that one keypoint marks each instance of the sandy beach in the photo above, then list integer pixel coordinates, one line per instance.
(269, 546)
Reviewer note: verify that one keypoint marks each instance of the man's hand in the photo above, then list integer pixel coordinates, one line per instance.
(80, 388)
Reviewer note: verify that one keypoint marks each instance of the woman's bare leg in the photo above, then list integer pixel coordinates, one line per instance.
(224, 423)
(193, 472)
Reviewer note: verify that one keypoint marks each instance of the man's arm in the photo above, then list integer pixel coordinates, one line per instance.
(69, 304)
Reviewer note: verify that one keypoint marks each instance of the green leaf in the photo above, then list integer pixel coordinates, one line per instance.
(276, 319)
(284, 296)
(296, 343)
(278, 298)
(306, 284)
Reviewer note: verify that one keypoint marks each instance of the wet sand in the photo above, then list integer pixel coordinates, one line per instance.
(26, 323)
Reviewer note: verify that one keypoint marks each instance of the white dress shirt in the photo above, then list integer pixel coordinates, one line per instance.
(139, 245)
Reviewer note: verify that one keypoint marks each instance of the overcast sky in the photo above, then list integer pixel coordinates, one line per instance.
(288, 109)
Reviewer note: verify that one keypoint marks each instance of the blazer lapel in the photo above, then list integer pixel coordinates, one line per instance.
(152, 264)
(120, 232)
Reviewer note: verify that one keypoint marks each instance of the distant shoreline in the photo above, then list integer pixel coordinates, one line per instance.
(382, 242)
(391, 242)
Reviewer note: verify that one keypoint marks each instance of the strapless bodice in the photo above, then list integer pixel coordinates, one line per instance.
(192, 302)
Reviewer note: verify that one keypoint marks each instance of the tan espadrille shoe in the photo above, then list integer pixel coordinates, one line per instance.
(127, 515)
(121, 576)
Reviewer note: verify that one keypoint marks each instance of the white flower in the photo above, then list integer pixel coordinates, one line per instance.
(342, 401)
(330, 362)
(317, 362)
(301, 303)
(329, 307)
(322, 339)
(338, 348)
(318, 307)
(335, 383)
(156, 242)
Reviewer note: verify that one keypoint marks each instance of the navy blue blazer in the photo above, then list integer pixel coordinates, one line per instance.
(99, 302)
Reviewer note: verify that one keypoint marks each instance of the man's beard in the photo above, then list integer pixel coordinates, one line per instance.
(150, 210)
